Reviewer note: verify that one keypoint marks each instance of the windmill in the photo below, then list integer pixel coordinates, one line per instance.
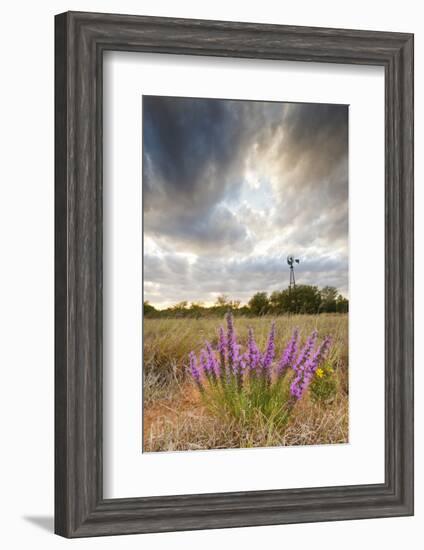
(291, 260)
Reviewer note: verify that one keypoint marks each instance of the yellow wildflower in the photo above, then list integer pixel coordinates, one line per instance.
(320, 373)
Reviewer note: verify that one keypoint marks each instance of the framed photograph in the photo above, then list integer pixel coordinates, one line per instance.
(228, 185)
(234, 274)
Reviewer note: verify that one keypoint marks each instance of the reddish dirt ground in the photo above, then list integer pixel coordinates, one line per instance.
(167, 410)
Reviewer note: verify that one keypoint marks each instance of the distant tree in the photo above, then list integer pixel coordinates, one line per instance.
(259, 303)
(223, 304)
(196, 305)
(197, 309)
(342, 304)
(179, 310)
(275, 302)
(328, 299)
(244, 311)
(299, 299)
(180, 305)
(148, 309)
(279, 302)
(222, 300)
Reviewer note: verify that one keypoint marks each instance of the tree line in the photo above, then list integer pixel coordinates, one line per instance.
(299, 299)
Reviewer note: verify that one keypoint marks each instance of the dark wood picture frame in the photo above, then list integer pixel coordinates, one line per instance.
(80, 40)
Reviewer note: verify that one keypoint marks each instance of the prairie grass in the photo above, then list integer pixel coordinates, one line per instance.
(176, 418)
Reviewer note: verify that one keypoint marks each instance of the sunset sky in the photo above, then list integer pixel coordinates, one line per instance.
(230, 188)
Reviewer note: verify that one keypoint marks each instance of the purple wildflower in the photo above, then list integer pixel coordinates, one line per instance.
(239, 367)
(232, 346)
(296, 387)
(312, 364)
(213, 362)
(306, 351)
(222, 345)
(269, 354)
(320, 353)
(300, 383)
(222, 350)
(203, 360)
(243, 361)
(289, 353)
(254, 355)
(305, 373)
(207, 361)
(195, 371)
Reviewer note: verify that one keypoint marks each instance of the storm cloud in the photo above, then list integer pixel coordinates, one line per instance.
(231, 187)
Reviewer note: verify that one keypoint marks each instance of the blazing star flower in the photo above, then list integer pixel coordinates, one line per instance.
(289, 353)
(269, 354)
(232, 346)
(243, 361)
(195, 371)
(296, 387)
(204, 363)
(212, 360)
(306, 351)
(208, 362)
(300, 383)
(312, 364)
(222, 346)
(307, 370)
(254, 355)
(239, 368)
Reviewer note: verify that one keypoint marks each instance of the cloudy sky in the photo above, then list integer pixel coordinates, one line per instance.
(230, 188)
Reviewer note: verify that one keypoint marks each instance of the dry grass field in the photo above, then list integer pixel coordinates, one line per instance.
(175, 416)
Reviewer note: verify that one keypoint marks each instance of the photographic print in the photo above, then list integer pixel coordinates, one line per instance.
(245, 274)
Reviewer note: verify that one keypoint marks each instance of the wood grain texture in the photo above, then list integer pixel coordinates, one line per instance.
(81, 39)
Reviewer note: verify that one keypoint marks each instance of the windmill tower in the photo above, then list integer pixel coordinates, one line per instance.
(291, 260)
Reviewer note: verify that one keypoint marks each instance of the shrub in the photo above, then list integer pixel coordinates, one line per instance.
(251, 385)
